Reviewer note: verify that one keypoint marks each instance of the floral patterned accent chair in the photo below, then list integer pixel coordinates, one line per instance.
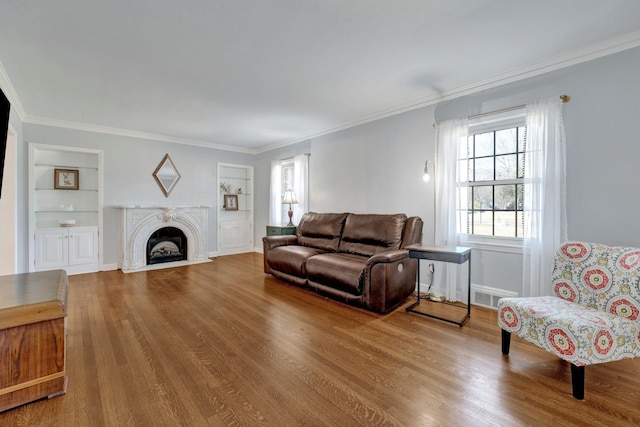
(593, 315)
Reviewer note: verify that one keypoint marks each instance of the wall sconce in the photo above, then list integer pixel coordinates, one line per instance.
(427, 176)
(289, 198)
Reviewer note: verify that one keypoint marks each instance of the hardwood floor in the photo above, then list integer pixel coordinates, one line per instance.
(222, 343)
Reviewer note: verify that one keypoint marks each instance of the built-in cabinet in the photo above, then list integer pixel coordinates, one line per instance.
(65, 205)
(235, 208)
(66, 247)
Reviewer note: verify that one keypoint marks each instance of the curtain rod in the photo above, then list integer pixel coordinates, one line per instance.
(291, 157)
(564, 98)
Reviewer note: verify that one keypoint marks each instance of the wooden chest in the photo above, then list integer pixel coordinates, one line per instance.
(33, 310)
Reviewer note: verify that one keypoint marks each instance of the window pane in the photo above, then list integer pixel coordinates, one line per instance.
(484, 169)
(483, 144)
(505, 197)
(483, 223)
(505, 224)
(506, 141)
(483, 197)
(507, 166)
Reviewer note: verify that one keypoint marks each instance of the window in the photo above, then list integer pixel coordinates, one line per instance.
(491, 182)
(287, 174)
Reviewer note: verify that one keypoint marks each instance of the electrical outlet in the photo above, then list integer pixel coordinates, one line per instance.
(431, 268)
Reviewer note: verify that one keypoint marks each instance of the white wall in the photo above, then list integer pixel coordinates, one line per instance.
(376, 168)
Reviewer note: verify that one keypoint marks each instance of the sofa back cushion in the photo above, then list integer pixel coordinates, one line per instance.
(369, 233)
(321, 230)
(599, 276)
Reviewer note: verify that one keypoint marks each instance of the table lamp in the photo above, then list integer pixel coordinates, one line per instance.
(289, 198)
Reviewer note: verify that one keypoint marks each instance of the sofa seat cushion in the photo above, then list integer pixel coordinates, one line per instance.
(341, 271)
(291, 259)
(367, 235)
(321, 230)
(576, 333)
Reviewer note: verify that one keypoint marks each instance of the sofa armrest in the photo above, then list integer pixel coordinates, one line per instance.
(270, 242)
(389, 278)
(388, 256)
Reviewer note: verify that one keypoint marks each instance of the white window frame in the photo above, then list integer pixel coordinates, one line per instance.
(494, 122)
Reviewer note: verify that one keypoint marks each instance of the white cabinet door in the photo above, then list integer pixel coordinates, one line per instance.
(52, 248)
(235, 237)
(83, 245)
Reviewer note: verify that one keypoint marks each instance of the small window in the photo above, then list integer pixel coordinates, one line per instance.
(286, 183)
(491, 183)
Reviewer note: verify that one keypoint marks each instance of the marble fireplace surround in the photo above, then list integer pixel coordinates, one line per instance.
(138, 223)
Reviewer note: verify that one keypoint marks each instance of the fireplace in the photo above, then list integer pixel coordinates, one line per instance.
(184, 227)
(166, 245)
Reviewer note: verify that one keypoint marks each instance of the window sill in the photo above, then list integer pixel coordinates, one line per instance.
(510, 245)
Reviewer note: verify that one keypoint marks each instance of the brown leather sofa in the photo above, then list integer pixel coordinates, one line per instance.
(354, 258)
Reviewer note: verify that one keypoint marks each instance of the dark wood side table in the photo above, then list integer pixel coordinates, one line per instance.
(452, 254)
(280, 230)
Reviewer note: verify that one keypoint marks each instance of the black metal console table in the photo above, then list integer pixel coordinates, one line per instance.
(452, 254)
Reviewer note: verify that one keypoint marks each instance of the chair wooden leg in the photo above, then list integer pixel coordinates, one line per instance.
(506, 341)
(577, 381)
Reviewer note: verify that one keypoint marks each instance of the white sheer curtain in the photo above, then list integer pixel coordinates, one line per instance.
(300, 189)
(275, 199)
(450, 209)
(300, 186)
(545, 190)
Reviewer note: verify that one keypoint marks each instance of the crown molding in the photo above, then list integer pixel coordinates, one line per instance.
(44, 121)
(10, 92)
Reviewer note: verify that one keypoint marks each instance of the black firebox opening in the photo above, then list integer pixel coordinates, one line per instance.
(165, 245)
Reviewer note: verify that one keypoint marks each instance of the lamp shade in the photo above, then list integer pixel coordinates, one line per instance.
(289, 198)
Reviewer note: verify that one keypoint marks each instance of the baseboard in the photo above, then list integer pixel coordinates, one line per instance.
(109, 267)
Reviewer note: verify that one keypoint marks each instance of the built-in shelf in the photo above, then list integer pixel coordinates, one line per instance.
(235, 227)
(55, 189)
(48, 206)
(57, 166)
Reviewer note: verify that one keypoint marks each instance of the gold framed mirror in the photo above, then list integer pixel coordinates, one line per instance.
(166, 175)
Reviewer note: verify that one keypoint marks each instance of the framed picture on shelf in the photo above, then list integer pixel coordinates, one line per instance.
(230, 202)
(65, 179)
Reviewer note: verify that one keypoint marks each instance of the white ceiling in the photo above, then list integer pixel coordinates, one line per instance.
(250, 75)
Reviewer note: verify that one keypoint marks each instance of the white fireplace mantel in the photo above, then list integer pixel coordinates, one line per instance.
(138, 223)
